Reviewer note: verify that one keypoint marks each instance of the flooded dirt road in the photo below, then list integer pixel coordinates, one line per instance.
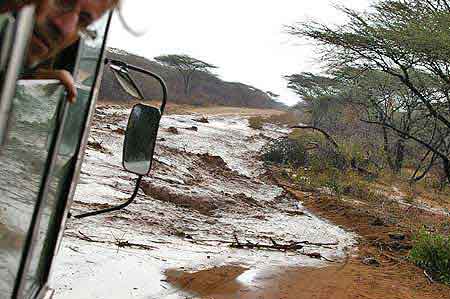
(205, 203)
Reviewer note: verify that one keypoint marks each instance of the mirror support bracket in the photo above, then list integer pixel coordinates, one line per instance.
(143, 71)
(112, 209)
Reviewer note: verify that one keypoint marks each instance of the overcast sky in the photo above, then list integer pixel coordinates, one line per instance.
(244, 38)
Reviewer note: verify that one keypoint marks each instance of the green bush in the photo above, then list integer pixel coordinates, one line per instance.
(256, 122)
(432, 253)
(285, 151)
(335, 182)
(303, 148)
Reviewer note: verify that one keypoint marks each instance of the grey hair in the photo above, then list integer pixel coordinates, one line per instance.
(124, 22)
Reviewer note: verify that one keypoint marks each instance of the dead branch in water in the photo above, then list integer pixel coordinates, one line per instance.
(292, 246)
(84, 237)
(304, 243)
(120, 243)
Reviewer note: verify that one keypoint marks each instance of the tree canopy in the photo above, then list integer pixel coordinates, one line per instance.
(394, 60)
(187, 66)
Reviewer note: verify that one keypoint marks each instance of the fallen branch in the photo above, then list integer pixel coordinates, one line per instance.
(428, 276)
(118, 243)
(124, 244)
(318, 244)
(84, 237)
(316, 255)
(292, 246)
(236, 241)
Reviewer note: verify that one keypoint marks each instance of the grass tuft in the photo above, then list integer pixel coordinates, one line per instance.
(432, 253)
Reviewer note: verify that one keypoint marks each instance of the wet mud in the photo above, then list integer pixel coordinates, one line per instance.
(207, 193)
(348, 280)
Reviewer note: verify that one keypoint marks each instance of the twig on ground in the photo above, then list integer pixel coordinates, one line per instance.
(428, 276)
(84, 237)
(120, 243)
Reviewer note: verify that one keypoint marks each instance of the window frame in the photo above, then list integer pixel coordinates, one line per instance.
(23, 26)
(66, 197)
(67, 200)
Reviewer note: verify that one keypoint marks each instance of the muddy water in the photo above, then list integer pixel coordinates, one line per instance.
(207, 188)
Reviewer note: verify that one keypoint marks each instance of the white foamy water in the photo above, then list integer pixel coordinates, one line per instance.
(182, 232)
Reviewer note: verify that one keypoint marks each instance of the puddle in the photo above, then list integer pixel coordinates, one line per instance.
(206, 189)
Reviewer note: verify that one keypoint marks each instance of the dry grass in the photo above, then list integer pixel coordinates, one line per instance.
(181, 109)
(280, 118)
(286, 118)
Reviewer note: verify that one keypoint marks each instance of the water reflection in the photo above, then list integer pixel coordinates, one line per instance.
(22, 162)
(140, 139)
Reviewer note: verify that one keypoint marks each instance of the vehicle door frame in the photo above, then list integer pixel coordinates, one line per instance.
(23, 24)
(66, 199)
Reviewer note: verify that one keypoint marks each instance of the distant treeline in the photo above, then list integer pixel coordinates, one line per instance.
(207, 89)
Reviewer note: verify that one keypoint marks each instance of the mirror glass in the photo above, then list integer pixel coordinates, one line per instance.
(140, 138)
(126, 82)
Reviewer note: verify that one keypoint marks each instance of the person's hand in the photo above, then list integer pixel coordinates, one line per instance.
(63, 76)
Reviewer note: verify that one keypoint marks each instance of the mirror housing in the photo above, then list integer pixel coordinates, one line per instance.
(140, 139)
(143, 123)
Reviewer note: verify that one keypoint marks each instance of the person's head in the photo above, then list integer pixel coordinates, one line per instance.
(58, 23)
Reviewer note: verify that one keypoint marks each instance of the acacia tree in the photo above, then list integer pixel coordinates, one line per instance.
(387, 103)
(406, 39)
(320, 95)
(187, 66)
(378, 99)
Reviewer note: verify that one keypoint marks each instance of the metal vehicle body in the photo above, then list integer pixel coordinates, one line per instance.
(43, 138)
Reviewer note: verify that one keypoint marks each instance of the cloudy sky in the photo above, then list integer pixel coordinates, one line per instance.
(244, 38)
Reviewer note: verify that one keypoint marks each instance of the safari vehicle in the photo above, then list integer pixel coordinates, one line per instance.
(43, 138)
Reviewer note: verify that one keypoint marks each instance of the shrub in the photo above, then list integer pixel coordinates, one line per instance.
(284, 151)
(322, 155)
(334, 182)
(287, 118)
(256, 122)
(307, 149)
(432, 253)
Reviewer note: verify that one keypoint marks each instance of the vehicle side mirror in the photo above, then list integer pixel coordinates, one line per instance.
(140, 139)
(142, 129)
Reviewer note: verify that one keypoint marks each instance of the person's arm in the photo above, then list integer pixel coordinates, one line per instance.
(63, 76)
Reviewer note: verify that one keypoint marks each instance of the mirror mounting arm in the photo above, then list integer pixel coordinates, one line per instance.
(143, 71)
(112, 209)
